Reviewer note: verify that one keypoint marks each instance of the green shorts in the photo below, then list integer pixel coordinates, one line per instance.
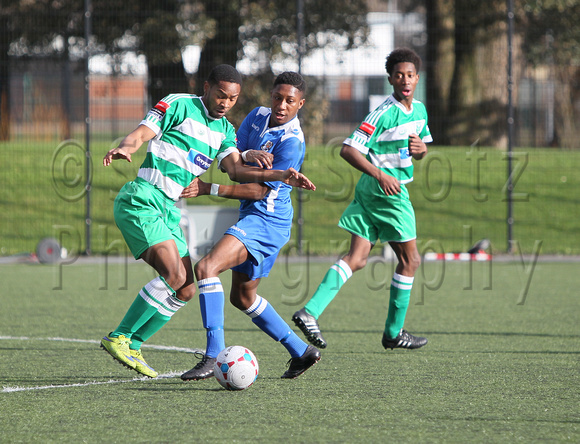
(388, 218)
(147, 217)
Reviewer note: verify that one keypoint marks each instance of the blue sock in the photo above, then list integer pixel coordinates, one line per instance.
(295, 346)
(211, 302)
(270, 322)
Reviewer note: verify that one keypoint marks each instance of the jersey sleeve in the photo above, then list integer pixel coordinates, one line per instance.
(230, 140)
(361, 136)
(426, 133)
(161, 116)
(229, 143)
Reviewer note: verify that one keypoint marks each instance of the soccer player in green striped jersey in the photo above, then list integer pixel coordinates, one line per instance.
(383, 148)
(185, 133)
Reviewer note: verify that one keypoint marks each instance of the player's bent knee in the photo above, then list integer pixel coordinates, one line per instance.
(240, 302)
(412, 263)
(416, 261)
(186, 294)
(358, 264)
(177, 278)
(203, 270)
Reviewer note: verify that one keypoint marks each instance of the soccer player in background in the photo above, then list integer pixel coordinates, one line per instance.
(250, 247)
(185, 133)
(382, 147)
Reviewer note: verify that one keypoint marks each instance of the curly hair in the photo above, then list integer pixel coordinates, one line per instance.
(291, 78)
(224, 73)
(402, 55)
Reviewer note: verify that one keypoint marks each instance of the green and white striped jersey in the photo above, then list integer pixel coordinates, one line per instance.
(384, 134)
(187, 141)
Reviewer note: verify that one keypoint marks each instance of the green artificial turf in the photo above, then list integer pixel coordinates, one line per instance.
(501, 364)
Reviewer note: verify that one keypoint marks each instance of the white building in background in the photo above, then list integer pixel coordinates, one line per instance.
(354, 81)
(345, 73)
(331, 60)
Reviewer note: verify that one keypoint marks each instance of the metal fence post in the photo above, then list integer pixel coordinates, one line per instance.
(88, 32)
(510, 123)
(300, 41)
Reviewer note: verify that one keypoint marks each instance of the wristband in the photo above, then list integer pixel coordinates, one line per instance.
(214, 189)
(245, 156)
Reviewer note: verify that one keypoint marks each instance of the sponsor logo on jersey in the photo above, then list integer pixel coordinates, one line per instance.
(239, 230)
(162, 106)
(156, 114)
(202, 161)
(267, 146)
(364, 132)
(404, 153)
(367, 128)
(158, 111)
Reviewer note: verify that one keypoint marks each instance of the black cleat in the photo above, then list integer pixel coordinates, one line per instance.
(309, 326)
(299, 365)
(404, 340)
(202, 370)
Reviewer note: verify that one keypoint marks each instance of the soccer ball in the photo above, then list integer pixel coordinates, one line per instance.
(236, 368)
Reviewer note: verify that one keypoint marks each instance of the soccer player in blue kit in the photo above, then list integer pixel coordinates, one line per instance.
(250, 247)
(185, 133)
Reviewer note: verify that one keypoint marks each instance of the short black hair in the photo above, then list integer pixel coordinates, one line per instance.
(224, 73)
(402, 55)
(291, 78)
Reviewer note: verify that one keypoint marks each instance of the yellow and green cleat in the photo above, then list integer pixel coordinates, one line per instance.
(118, 348)
(141, 365)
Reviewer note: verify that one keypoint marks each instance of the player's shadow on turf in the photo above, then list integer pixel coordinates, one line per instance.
(458, 333)
(479, 333)
(171, 387)
(202, 331)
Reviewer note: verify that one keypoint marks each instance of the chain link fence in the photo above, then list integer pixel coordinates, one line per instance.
(65, 101)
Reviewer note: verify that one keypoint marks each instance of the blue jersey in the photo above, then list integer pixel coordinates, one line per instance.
(286, 143)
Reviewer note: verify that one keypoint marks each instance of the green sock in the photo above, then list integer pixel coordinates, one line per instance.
(333, 281)
(145, 305)
(137, 315)
(152, 326)
(400, 295)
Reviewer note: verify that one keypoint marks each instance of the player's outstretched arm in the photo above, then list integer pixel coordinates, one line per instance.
(130, 144)
(298, 180)
(238, 172)
(247, 191)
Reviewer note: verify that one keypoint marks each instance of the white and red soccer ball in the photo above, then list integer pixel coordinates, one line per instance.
(236, 368)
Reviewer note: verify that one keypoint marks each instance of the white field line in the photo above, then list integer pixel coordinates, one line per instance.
(94, 341)
(86, 384)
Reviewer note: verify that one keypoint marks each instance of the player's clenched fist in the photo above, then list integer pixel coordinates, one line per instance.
(417, 148)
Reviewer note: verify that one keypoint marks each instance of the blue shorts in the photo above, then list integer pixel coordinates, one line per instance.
(263, 238)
